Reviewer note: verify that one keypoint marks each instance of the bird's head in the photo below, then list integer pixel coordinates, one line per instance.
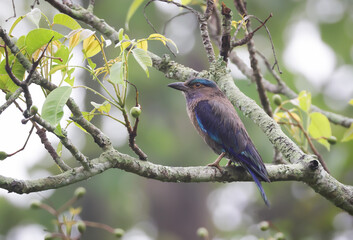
(196, 87)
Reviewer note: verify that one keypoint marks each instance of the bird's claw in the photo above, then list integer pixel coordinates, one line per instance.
(215, 165)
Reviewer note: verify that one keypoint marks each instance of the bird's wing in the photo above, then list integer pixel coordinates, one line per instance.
(222, 124)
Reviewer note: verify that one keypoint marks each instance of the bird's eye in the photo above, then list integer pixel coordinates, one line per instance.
(197, 85)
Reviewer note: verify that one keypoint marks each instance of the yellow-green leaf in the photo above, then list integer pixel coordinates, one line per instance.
(102, 108)
(142, 44)
(157, 36)
(66, 21)
(320, 128)
(351, 102)
(124, 45)
(185, 2)
(91, 46)
(281, 115)
(56, 68)
(348, 135)
(304, 101)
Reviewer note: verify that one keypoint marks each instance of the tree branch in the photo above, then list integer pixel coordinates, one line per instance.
(306, 171)
(88, 17)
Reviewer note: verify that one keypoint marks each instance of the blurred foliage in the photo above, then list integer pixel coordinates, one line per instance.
(175, 211)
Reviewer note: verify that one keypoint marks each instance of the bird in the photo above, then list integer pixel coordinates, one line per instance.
(218, 123)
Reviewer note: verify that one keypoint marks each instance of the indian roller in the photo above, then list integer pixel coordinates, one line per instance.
(216, 120)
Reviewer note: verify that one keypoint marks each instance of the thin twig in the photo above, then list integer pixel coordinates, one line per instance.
(24, 146)
(91, 6)
(14, 11)
(250, 35)
(34, 3)
(254, 63)
(215, 26)
(270, 69)
(226, 28)
(202, 18)
(99, 225)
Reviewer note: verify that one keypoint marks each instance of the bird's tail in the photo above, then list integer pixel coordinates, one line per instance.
(259, 186)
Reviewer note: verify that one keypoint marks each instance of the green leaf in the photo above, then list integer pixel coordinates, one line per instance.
(132, 9)
(70, 81)
(142, 58)
(320, 127)
(91, 64)
(58, 131)
(63, 52)
(21, 42)
(53, 107)
(117, 73)
(66, 21)
(39, 37)
(121, 34)
(18, 70)
(59, 149)
(348, 135)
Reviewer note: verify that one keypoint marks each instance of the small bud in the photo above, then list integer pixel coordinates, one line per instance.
(332, 140)
(264, 225)
(135, 111)
(81, 226)
(118, 232)
(8, 95)
(79, 192)
(277, 99)
(279, 236)
(24, 121)
(35, 204)
(33, 110)
(3, 155)
(202, 232)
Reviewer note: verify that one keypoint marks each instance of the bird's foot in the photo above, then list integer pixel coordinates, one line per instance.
(215, 164)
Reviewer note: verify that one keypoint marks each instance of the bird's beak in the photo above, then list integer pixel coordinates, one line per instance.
(178, 86)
